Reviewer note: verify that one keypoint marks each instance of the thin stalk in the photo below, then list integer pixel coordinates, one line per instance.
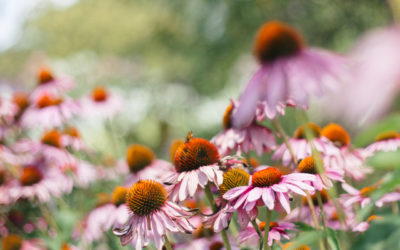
(285, 139)
(210, 199)
(322, 214)
(167, 244)
(258, 230)
(266, 229)
(395, 208)
(315, 218)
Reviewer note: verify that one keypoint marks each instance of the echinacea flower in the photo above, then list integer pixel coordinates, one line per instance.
(72, 138)
(322, 180)
(196, 164)
(363, 226)
(15, 242)
(49, 110)
(252, 137)
(234, 177)
(102, 103)
(143, 164)
(104, 217)
(277, 230)
(269, 187)
(385, 142)
(289, 72)
(302, 147)
(290, 245)
(152, 215)
(363, 196)
(37, 182)
(48, 83)
(352, 161)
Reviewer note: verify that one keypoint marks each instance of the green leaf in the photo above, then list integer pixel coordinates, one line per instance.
(385, 160)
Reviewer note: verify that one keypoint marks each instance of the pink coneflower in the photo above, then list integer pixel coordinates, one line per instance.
(322, 180)
(47, 83)
(102, 103)
(363, 226)
(196, 164)
(352, 161)
(302, 147)
(143, 164)
(151, 216)
(72, 138)
(49, 111)
(15, 242)
(234, 177)
(362, 197)
(37, 182)
(387, 141)
(277, 230)
(268, 187)
(104, 217)
(289, 72)
(253, 137)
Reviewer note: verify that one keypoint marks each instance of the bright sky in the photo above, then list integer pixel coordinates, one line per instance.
(13, 14)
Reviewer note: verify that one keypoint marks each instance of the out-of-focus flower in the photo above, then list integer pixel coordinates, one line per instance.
(104, 217)
(289, 73)
(362, 197)
(386, 141)
(175, 144)
(365, 98)
(302, 147)
(253, 137)
(322, 180)
(102, 103)
(49, 111)
(352, 161)
(72, 138)
(47, 83)
(363, 226)
(268, 187)
(196, 164)
(151, 215)
(15, 242)
(290, 246)
(213, 242)
(277, 230)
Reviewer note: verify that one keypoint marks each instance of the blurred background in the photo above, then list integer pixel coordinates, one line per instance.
(176, 63)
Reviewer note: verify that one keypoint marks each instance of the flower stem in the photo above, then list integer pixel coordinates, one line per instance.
(315, 218)
(322, 214)
(266, 228)
(167, 244)
(210, 199)
(285, 139)
(260, 235)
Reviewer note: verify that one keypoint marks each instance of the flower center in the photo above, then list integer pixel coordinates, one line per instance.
(46, 101)
(387, 136)
(52, 138)
(138, 157)
(12, 242)
(30, 175)
(174, 146)
(300, 132)
(266, 177)
(272, 224)
(336, 134)
(195, 153)
(102, 199)
(217, 245)
(324, 198)
(20, 99)
(99, 94)
(226, 120)
(119, 195)
(366, 191)
(45, 76)
(276, 40)
(307, 165)
(72, 131)
(334, 216)
(146, 197)
(234, 177)
(289, 245)
(2, 177)
(374, 217)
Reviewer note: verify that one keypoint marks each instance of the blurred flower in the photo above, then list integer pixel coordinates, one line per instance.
(151, 215)
(352, 161)
(276, 231)
(103, 218)
(386, 141)
(267, 187)
(15, 242)
(253, 137)
(302, 147)
(102, 103)
(289, 73)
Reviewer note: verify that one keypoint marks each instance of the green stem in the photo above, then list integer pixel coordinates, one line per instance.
(266, 228)
(257, 228)
(285, 139)
(322, 215)
(315, 218)
(210, 199)
(167, 244)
